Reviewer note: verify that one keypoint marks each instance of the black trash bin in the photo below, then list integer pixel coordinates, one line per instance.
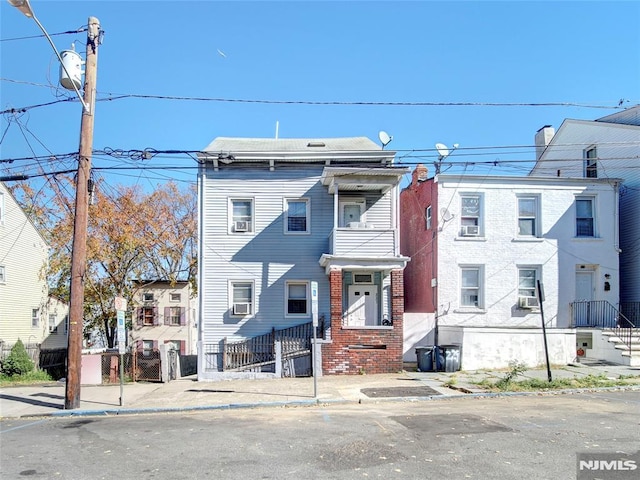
(425, 358)
(449, 358)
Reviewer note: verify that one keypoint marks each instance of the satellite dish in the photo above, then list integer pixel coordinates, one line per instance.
(384, 138)
(443, 151)
(445, 214)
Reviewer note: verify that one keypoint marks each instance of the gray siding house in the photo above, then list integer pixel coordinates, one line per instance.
(276, 215)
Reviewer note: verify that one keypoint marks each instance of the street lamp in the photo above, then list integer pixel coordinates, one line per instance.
(25, 7)
(81, 219)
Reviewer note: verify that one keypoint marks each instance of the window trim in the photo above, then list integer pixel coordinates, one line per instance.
(590, 164)
(3, 274)
(480, 287)
(53, 323)
(427, 214)
(35, 317)
(172, 300)
(146, 295)
(536, 217)
(252, 300)
(307, 202)
(592, 200)
(480, 216)
(154, 314)
(307, 286)
(231, 218)
(172, 316)
(1, 208)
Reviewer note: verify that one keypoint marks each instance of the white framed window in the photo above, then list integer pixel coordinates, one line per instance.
(528, 213)
(241, 295)
(175, 297)
(147, 297)
(35, 317)
(297, 298)
(3, 274)
(590, 162)
(471, 215)
(241, 215)
(352, 213)
(528, 277)
(175, 344)
(427, 216)
(147, 347)
(53, 324)
(297, 215)
(471, 291)
(175, 315)
(585, 219)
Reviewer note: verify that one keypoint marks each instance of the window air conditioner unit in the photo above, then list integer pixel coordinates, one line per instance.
(470, 230)
(357, 225)
(528, 302)
(241, 226)
(241, 309)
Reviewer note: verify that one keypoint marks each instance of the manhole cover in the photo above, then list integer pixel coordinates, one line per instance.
(399, 392)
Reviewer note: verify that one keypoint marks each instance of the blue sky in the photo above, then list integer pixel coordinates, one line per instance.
(508, 52)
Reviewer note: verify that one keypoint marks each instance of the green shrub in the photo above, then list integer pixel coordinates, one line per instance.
(18, 362)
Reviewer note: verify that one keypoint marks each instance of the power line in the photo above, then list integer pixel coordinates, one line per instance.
(72, 32)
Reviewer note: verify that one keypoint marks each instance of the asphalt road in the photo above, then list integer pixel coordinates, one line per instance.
(515, 437)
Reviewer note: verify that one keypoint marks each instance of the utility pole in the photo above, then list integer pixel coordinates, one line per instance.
(81, 220)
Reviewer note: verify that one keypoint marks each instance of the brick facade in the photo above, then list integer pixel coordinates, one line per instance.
(342, 355)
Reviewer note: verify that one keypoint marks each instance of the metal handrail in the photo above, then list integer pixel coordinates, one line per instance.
(602, 314)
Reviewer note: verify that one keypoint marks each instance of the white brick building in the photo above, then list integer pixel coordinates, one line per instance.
(478, 246)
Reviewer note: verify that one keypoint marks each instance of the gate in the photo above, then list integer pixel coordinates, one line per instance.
(147, 366)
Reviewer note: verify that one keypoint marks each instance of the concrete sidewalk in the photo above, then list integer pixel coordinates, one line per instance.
(188, 394)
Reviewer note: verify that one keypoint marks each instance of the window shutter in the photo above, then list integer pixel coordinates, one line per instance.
(182, 347)
(155, 345)
(183, 316)
(139, 345)
(156, 320)
(167, 313)
(139, 316)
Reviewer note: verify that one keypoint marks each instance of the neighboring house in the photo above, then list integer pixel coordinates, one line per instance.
(26, 312)
(277, 215)
(478, 247)
(608, 147)
(163, 313)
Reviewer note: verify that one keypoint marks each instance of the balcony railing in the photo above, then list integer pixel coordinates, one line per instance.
(363, 242)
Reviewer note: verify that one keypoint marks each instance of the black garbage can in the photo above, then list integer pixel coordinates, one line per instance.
(425, 358)
(449, 358)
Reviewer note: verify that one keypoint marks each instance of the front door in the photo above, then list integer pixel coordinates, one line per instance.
(584, 294)
(363, 306)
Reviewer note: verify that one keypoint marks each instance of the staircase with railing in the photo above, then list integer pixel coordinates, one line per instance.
(621, 331)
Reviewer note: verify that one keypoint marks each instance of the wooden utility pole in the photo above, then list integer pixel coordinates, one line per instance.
(79, 248)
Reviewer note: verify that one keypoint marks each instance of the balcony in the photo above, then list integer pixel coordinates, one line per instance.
(362, 241)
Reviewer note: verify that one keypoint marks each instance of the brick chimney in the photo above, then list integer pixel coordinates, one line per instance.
(543, 138)
(419, 174)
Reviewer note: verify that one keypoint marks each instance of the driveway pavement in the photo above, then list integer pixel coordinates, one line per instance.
(188, 394)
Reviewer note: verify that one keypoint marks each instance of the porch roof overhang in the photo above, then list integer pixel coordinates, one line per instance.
(378, 179)
(360, 263)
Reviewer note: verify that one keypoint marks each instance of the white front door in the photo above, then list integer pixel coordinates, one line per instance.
(584, 293)
(363, 306)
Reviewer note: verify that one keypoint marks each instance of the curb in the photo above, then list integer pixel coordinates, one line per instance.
(317, 402)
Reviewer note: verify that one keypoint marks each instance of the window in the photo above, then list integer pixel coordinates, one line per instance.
(147, 316)
(175, 344)
(584, 217)
(147, 297)
(1, 208)
(3, 274)
(147, 347)
(175, 297)
(66, 324)
(527, 216)
(53, 324)
(241, 215)
(297, 213)
(35, 317)
(427, 215)
(471, 288)
(527, 277)
(470, 215)
(591, 163)
(297, 298)
(174, 315)
(242, 298)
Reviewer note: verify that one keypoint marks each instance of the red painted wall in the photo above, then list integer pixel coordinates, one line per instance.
(418, 242)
